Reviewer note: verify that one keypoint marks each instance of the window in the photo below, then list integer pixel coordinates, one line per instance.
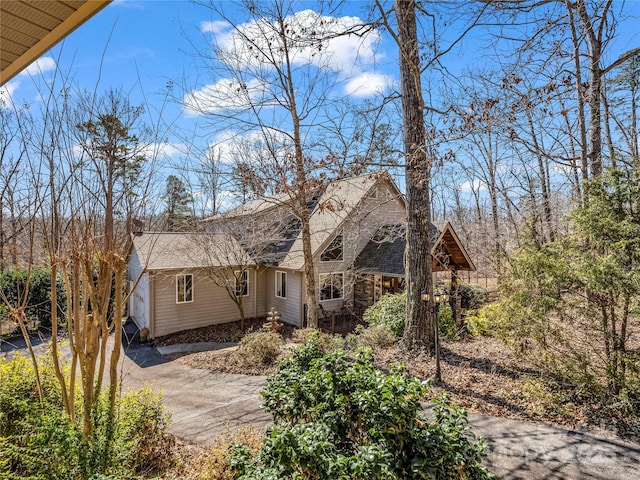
(333, 251)
(242, 283)
(281, 284)
(373, 193)
(184, 288)
(331, 286)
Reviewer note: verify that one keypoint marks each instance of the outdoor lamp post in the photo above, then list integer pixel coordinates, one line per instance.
(439, 296)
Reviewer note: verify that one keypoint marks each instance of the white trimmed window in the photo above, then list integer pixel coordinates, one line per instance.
(184, 288)
(242, 283)
(331, 286)
(281, 284)
(334, 251)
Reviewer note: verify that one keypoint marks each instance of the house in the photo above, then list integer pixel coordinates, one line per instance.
(357, 238)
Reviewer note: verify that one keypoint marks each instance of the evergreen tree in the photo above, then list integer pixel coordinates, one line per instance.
(178, 201)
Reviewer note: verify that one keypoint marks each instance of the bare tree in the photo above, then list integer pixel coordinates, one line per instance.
(88, 166)
(275, 88)
(420, 150)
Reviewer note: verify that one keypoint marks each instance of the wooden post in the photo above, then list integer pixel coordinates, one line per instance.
(456, 304)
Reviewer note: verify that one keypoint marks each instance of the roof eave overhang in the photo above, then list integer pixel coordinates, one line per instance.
(48, 41)
(448, 228)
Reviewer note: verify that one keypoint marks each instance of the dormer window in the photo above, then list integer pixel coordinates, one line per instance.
(334, 251)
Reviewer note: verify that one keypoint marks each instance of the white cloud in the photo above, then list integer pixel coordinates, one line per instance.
(6, 93)
(231, 147)
(163, 150)
(312, 38)
(223, 95)
(474, 185)
(367, 84)
(255, 48)
(214, 27)
(42, 65)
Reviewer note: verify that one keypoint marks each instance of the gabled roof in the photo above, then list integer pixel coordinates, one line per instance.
(455, 253)
(334, 206)
(28, 29)
(386, 257)
(329, 209)
(178, 250)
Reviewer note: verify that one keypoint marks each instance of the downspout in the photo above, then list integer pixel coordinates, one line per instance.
(152, 305)
(255, 293)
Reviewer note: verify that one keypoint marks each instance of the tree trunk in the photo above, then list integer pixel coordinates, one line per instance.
(582, 122)
(419, 326)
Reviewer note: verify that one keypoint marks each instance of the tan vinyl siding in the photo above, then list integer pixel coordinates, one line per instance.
(262, 291)
(289, 308)
(211, 304)
(385, 209)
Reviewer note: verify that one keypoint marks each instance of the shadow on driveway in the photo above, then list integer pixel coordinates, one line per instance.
(142, 354)
(16, 343)
(519, 450)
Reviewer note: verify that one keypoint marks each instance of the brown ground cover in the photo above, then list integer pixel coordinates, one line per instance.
(480, 373)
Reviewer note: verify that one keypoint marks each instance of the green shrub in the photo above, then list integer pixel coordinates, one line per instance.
(336, 417)
(446, 322)
(12, 283)
(479, 322)
(39, 441)
(472, 297)
(259, 348)
(375, 337)
(389, 312)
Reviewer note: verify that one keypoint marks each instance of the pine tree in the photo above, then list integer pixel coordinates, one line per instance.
(178, 201)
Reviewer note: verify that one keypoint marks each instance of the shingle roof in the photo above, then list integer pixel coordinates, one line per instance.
(333, 207)
(387, 257)
(177, 250)
(384, 258)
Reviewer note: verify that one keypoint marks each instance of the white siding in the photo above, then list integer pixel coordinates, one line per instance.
(139, 300)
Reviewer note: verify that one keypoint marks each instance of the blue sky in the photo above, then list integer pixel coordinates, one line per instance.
(140, 46)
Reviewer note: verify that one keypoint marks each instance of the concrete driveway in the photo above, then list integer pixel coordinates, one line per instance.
(203, 404)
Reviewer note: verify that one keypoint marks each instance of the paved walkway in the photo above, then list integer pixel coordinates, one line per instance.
(204, 404)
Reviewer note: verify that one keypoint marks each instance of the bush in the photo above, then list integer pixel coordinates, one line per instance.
(259, 348)
(479, 323)
(375, 337)
(303, 335)
(337, 417)
(214, 462)
(38, 311)
(389, 312)
(327, 342)
(446, 322)
(472, 297)
(40, 441)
